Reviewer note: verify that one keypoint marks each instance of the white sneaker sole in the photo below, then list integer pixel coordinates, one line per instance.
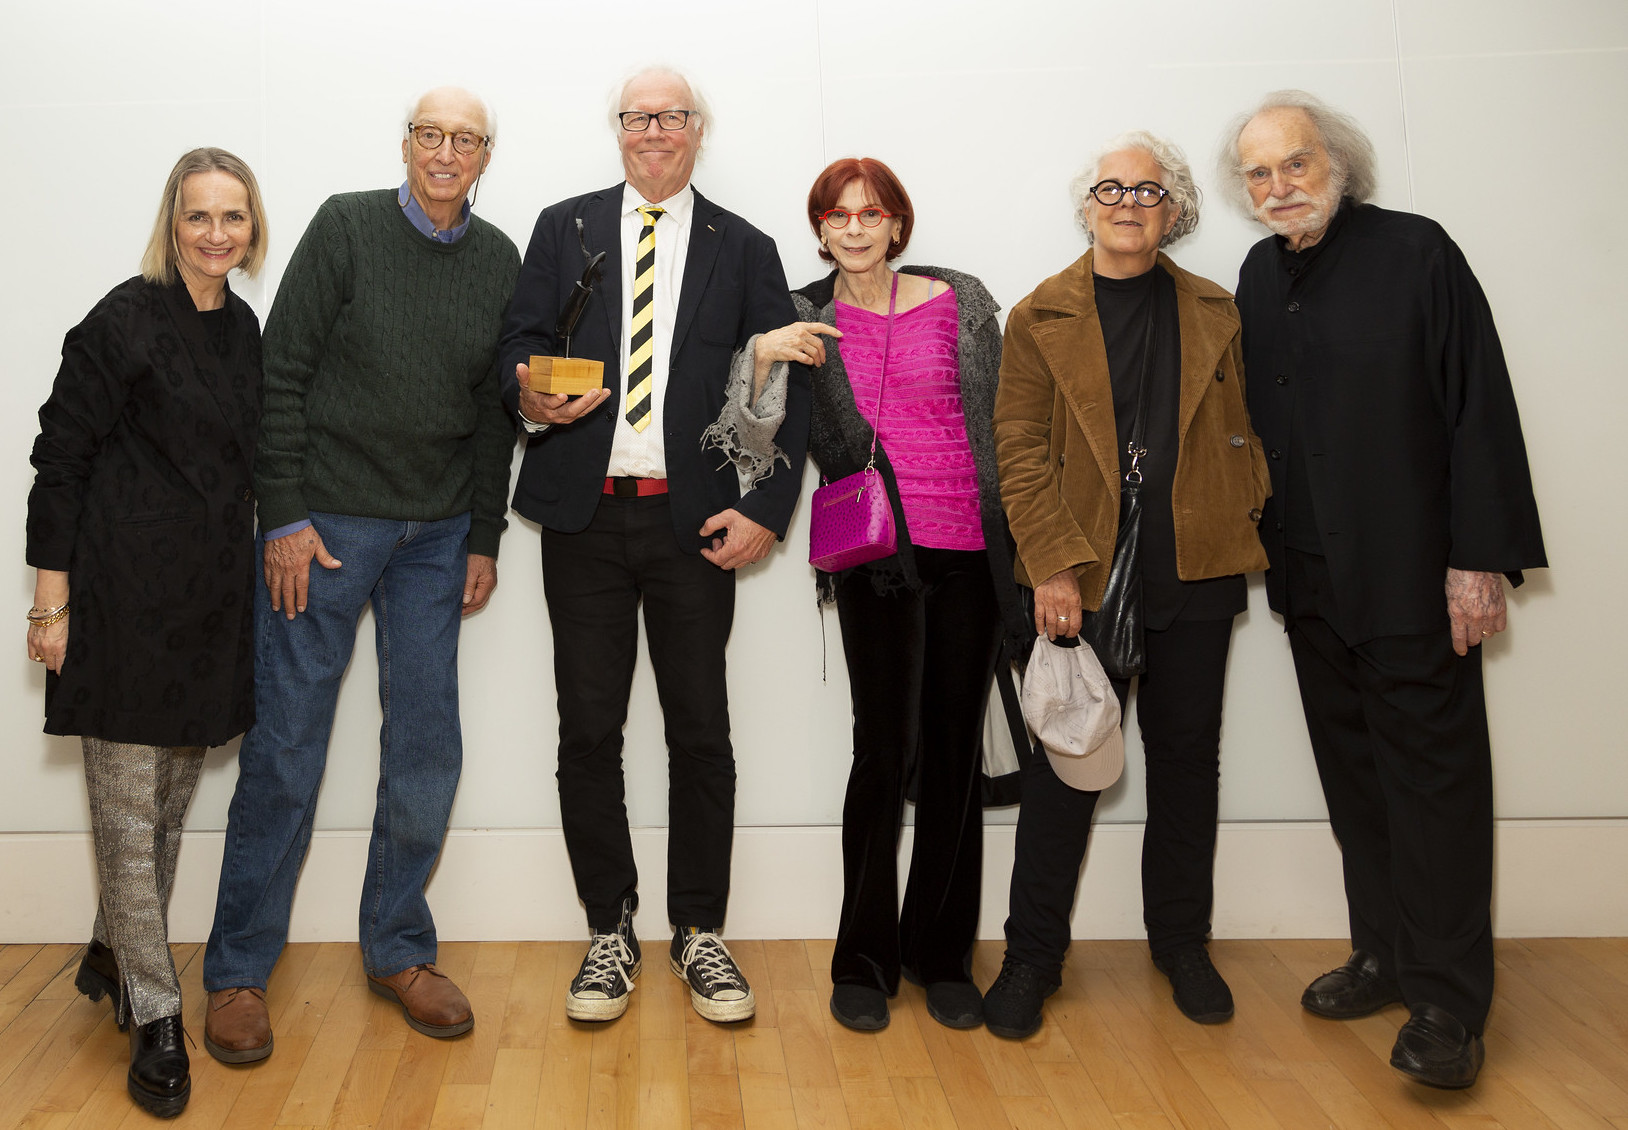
(722, 1012)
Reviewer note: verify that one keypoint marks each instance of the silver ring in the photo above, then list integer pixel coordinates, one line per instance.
(1062, 619)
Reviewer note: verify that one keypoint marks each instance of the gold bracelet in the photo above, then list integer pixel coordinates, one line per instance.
(44, 618)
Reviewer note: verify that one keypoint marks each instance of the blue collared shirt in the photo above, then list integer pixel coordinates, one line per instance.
(415, 215)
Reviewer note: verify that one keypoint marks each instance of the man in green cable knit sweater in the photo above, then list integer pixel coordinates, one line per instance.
(383, 457)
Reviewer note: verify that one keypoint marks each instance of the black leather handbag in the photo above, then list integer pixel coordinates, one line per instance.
(1114, 631)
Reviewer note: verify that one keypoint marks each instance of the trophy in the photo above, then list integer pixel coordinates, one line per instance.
(572, 376)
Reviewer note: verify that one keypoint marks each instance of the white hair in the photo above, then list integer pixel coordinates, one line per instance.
(698, 100)
(1351, 160)
(411, 111)
(1184, 193)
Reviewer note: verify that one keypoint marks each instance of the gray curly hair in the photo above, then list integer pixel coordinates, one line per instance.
(1350, 154)
(1184, 193)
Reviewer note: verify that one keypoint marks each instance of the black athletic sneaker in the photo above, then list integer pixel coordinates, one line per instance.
(717, 989)
(1012, 1005)
(1199, 991)
(603, 985)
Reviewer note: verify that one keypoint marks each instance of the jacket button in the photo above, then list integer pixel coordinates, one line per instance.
(1255, 515)
(248, 495)
(1236, 441)
(1220, 376)
(1294, 307)
(1276, 454)
(1283, 378)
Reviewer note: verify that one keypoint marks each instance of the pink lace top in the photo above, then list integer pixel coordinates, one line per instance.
(922, 427)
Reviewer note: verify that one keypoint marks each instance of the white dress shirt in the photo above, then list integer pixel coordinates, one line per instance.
(642, 454)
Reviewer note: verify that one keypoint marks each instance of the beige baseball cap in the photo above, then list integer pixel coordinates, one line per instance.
(1071, 707)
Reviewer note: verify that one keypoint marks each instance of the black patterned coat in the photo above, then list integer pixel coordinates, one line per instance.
(142, 494)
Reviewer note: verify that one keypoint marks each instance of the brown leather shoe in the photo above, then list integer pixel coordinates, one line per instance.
(432, 1004)
(237, 1027)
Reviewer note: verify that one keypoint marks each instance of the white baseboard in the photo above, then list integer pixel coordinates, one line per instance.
(1272, 880)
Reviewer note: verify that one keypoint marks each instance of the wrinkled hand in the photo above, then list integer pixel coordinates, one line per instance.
(742, 543)
(480, 579)
(1475, 606)
(1057, 605)
(555, 408)
(50, 643)
(288, 568)
(800, 342)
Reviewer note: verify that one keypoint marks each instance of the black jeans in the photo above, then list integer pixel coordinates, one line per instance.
(920, 665)
(1399, 729)
(594, 582)
(1178, 704)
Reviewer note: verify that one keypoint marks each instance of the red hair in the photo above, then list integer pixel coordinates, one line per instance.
(881, 187)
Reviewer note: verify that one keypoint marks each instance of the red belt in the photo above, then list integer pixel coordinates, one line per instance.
(625, 486)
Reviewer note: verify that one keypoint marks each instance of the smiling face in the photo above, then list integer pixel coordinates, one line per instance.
(1286, 169)
(658, 162)
(1126, 237)
(212, 232)
(857, 249)
(440, 179)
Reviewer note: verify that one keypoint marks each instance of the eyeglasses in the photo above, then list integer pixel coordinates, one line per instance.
(635, 122)
(1147, 194)
(432, 137)
(837, 218)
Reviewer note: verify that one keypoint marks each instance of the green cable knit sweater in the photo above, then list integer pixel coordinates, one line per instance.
(380, 396)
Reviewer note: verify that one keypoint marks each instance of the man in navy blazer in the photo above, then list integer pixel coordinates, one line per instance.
(632, 509)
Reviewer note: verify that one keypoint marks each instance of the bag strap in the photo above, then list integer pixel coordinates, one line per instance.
(881, 382)
(1136, 447)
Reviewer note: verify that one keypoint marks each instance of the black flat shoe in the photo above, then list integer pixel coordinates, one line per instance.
(860, 1007)
(160, 1073)
(98, 977)
(1434, 1048)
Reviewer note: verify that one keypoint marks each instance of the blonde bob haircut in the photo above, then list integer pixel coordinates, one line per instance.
(160, 263)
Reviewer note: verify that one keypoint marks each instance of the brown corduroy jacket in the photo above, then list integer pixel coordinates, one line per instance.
(1058, 450)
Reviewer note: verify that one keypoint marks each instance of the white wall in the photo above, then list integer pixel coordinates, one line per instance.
(1497, 117)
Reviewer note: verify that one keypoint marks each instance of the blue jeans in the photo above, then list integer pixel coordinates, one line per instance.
(413, 574)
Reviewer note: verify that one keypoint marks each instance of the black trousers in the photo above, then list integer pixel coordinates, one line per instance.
(920, 665)
(1178, 706)
(1399, 729)
(594, 582)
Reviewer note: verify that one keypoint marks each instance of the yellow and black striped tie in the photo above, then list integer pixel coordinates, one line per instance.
(641, 347)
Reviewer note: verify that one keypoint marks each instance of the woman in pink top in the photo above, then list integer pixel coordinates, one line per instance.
(924, 628)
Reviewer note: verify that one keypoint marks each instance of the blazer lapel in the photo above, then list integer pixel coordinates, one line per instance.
(210, 363)
(602, 231)
(706, 237)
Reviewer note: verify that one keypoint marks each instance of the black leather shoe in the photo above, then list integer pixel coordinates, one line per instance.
(98, 977)
(1355, 989)
(1198, 990)
(160, 1073)
(1434, 1048)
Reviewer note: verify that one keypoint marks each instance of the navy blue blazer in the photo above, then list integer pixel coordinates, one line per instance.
(733, 287)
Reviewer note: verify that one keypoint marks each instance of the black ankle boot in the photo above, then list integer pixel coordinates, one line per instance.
(160, 1079)
(99, 977)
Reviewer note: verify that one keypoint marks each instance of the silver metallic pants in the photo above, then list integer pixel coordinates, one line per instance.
(138, 798)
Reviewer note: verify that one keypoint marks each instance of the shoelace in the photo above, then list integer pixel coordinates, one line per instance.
(1020, 975)
(707, 954)
(607, 962)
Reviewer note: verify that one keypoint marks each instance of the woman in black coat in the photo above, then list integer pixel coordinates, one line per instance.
(140, 529)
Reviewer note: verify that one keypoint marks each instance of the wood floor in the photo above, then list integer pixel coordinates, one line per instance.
(1114, 1052)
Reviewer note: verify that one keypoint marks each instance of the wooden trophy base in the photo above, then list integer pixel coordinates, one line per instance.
(572, 376)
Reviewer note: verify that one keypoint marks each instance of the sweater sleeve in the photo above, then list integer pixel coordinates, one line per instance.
(494, 439)
(309, 298)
